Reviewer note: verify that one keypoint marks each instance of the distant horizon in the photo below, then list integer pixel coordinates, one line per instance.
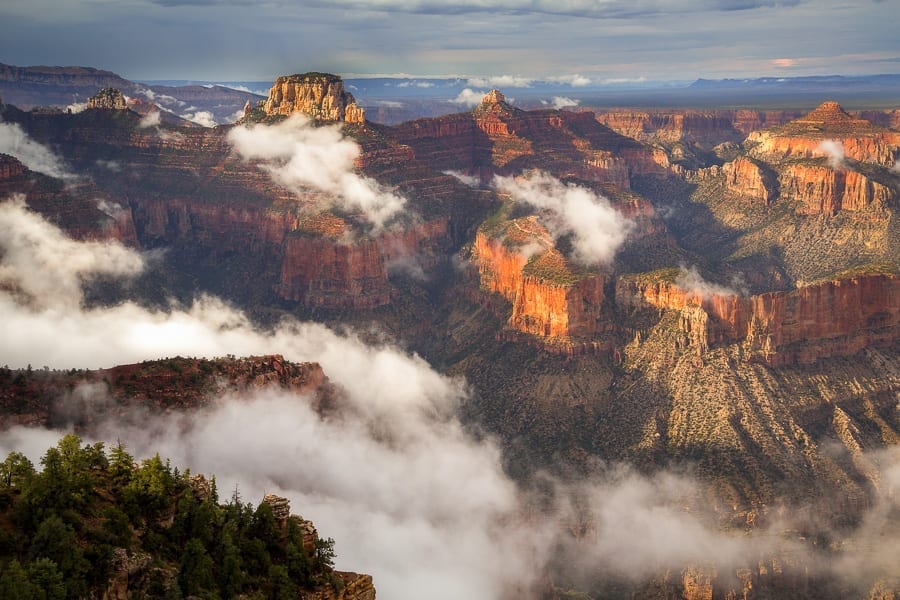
(577, 40)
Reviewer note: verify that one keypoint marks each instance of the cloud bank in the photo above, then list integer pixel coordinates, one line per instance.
(48, 267)
(204, 118)
(834, 150)
(691, 280)
(392, 475)
(299, 155)
(37, 157)
(598, 229)
(561, 102)
(469, 97)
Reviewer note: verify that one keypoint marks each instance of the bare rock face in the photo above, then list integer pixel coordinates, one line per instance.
(823, 190)
(750, 180)
(549, 302)
(355, 587)
(108, 98)
(319, 95)
(803, 138)
(281, 507)
(826, 319)
(10, 167)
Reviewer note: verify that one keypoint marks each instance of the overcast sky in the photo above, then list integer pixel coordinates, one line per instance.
(597, 39)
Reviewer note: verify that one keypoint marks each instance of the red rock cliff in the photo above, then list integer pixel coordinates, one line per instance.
(832, 318)
(803, 137)
(825, 190)
(749, 179)
(318, 95)
(541, 306)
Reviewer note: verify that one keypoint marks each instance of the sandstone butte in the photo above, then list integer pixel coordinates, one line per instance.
(800, 161)
(802, 138)
(319, 95)
(108, 98)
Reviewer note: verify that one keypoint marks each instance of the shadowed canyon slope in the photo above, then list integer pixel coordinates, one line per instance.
(654, 289)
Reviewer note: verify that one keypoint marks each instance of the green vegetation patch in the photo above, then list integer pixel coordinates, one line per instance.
(68, 529)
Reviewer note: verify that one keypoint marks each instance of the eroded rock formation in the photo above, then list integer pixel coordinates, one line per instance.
(816, 134)
(319, 95)
(831, 318)
(108, 98)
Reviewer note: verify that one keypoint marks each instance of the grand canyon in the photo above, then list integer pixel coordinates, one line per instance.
(690, 313)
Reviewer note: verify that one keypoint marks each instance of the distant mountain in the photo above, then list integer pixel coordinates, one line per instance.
(64, 87)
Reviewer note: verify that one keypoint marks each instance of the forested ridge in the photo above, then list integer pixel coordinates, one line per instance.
(89, 519)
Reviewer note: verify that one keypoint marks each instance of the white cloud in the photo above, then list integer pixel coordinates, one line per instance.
(498, 81)
(46, 266)
(391, 474)
(575, 80)
(599, 229)
(37, 157)
(690, 279)
(112, 165)
(76, 107)
(203, 118)
(300, 155)
(834, 150)
(469, 180)
(469, 97)
(151, 119)
(387, 103)
(561, 102)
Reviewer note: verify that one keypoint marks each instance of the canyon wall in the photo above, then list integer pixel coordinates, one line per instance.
(823, 189)
(831, 318)
(563, 311)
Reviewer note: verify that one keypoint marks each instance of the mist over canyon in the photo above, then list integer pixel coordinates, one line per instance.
(500, 353)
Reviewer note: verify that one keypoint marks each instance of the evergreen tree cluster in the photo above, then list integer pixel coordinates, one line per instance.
(63, 528)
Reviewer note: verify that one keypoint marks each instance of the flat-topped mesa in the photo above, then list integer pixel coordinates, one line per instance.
(108, 98)
(319, 95)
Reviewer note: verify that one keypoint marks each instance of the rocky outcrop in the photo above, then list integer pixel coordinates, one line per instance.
(749, 179)
(558, 308)
(353, 587)
(326, 272)
(704, 128)
(823, 190)
(319, 95)
(319, 272)
(803, 138)
(10, 167)
(108, 98)
(498, 138)
(831, 318)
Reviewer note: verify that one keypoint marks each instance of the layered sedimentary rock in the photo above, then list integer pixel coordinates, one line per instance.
(822, 189)
(498, 138)
(831, 318)
(548, 300)
(108, 98)
(705, 128)
(319, 95)
(10, 167)
(749, 179)
(819, 133)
